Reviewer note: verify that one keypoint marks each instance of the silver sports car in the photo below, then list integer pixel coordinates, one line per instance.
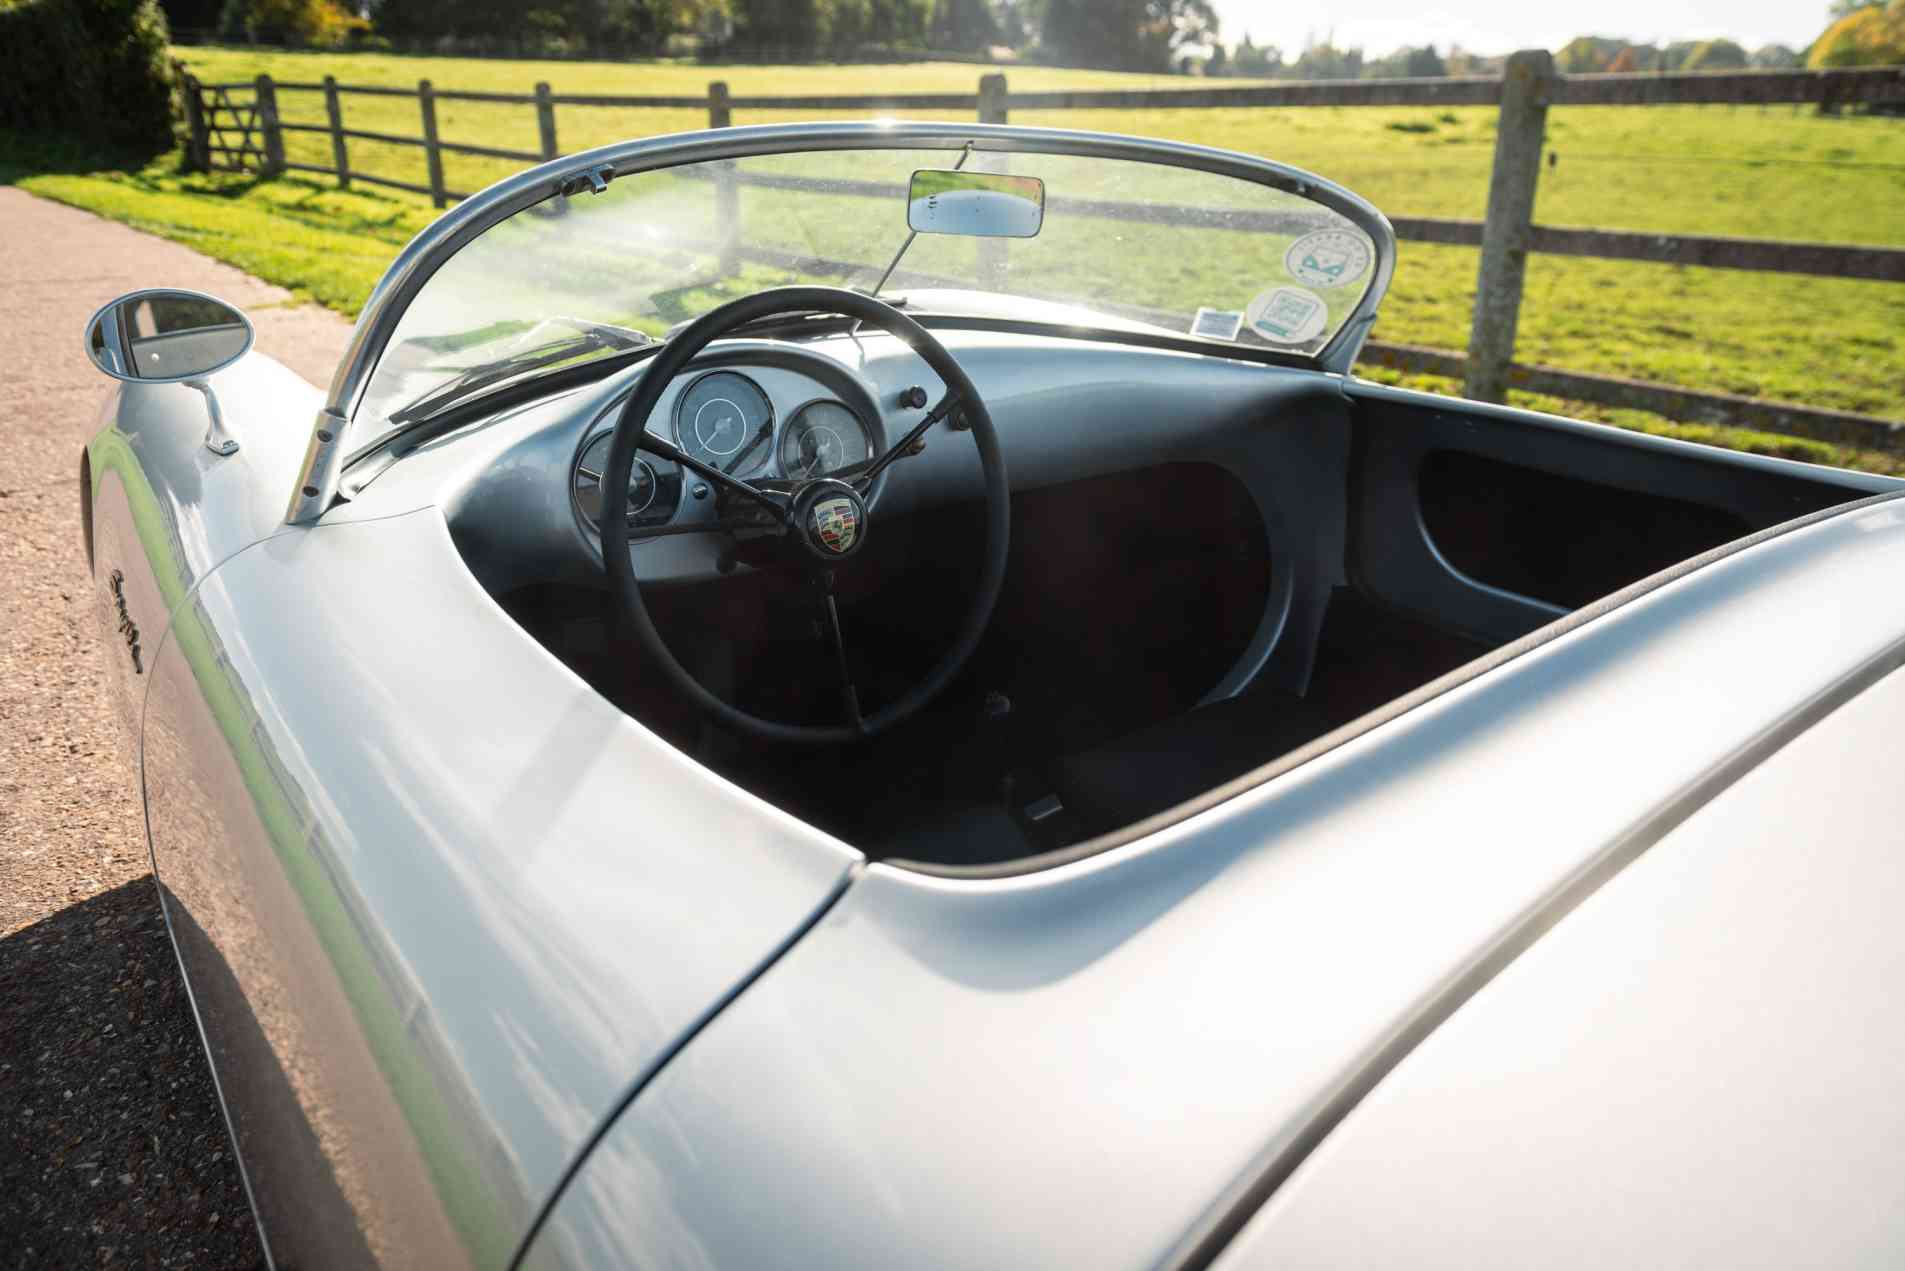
(881, 695)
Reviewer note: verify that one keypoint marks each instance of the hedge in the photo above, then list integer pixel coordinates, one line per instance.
(95, 69)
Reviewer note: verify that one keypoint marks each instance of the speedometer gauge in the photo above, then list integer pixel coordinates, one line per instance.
(823, 437)
(724, 419)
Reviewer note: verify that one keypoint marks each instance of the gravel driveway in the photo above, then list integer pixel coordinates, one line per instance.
(112, 1151)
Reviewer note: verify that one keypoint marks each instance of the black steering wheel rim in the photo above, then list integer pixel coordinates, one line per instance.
(631, 434)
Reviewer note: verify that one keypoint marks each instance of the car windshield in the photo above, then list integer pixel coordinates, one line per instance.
(1123, 244)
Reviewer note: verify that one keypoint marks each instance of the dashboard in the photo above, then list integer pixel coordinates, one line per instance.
(522, 492)
(763, 419)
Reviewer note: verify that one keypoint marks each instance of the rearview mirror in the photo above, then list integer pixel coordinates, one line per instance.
(979, 204)
(166, 336)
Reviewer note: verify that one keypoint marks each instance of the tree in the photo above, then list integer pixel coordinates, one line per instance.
(1846, 8)
(965, 24)
(1258, 61)
(191, 15)
(1586, 54)
(785, 24)
(625, 26)
(1462, 62)
(1675, 55)
(1871, 36)
(1406, 63)
(1132, 35)
(905, 22)
(1326, 61)
(844, 25)
(1715, 55)
(1624, 63)
(1219, 61)
(1775, 57)
(316, 22)
(1423, 63)
(1019, 21)
(98, 70)
(410, 19)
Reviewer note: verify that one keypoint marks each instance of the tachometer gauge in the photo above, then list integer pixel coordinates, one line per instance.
(654, 486)
(823, 437)
(724, 419)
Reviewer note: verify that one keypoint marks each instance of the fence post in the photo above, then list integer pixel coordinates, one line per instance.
(427, 103)
(198, 156)
(546, 122)
(727, 192)
(340, 159)
(992, 109)
(1511, 206)
(992, 251)
(268, 122)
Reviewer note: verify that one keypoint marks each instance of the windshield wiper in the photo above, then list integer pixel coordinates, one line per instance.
(791, 318)
(592, 336)
(796, 322)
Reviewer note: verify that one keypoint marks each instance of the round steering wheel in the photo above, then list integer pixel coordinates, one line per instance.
(817, 523)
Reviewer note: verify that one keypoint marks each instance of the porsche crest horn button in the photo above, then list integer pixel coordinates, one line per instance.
(836, 524)
(829, 520)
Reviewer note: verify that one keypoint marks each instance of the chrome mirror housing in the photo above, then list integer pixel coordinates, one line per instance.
(167, 336)
(976, 204)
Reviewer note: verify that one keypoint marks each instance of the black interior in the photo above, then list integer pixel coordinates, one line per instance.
(1113, 616)
(1558, 538)
(1129, 597)
(1496, 523)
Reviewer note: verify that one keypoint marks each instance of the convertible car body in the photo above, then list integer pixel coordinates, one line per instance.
(880, 695)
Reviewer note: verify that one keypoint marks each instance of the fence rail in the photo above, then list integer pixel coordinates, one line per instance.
(240, 134)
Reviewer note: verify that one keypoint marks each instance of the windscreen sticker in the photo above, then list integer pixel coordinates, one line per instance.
(1217, 324)
(1288, 315)
(1328, 258)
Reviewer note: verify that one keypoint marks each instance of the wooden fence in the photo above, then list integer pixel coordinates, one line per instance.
(245, 133)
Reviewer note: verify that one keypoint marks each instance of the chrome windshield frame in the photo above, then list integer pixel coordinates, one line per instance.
(318, 476)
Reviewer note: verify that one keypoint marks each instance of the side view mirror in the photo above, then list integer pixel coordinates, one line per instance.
(167, 336)
(978, 204)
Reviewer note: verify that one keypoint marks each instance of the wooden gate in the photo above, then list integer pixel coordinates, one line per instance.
(235, 133)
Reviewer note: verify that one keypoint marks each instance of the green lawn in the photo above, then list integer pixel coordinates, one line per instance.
(1772, 172)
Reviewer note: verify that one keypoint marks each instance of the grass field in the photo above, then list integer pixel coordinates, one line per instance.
(1774, 172)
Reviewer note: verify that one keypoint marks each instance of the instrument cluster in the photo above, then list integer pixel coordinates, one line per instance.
(726, 419)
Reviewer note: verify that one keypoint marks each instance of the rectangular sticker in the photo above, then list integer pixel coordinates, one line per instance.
(1217, 324)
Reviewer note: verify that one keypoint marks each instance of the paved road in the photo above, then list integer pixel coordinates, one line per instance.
(111, 1149)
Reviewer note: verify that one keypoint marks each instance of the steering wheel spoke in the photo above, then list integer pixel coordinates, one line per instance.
(837, 642)
(668, 450)
(909, 444)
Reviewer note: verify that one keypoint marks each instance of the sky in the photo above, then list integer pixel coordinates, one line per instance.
(1502, 26)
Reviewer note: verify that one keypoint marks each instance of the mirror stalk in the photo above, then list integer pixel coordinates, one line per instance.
(217, 440)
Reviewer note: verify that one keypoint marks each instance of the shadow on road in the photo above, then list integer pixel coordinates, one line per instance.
(112, 1149)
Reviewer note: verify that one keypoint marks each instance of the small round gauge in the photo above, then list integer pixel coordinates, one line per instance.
(823, 437)
(654, 486)
(725, 419)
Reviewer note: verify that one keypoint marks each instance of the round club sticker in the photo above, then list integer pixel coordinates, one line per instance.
(1287, 315)
(1328, 258)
